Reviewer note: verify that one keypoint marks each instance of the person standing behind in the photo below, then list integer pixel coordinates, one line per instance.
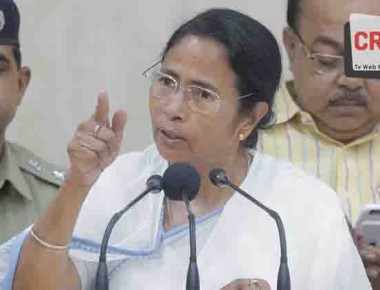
(328, 123)
(27, 183)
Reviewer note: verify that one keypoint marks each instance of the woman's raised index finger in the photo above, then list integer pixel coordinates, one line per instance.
(102, 109)
(119, 121)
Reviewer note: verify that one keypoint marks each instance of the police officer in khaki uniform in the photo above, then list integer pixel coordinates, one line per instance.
(27, 183)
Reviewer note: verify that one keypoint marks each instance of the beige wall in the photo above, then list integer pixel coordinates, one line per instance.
(76, 48)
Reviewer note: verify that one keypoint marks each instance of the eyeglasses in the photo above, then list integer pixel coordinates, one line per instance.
(164, 87)
(322, 63)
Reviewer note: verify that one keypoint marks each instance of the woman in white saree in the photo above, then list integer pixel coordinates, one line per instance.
(210, 93)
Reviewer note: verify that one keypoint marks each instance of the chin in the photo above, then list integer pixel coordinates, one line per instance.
(348, 126)
(172, 155)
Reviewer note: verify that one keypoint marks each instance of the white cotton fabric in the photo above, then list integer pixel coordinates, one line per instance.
(174, 248)
(242, 243)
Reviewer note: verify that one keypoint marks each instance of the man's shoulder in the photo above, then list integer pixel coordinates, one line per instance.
(288, 175)
(31, 164)
(293, 193)
(284, 107)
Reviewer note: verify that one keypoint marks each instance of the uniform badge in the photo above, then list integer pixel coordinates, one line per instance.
(2, 20)
(59, 175)
(34, 164)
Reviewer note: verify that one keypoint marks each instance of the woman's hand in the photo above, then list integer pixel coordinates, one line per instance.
(247, 284)
(95, 144)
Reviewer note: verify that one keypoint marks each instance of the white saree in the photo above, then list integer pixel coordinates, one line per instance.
(238, 241)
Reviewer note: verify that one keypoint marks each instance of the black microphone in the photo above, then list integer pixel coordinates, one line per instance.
(182, 182)
(154, 184)
(220, 178)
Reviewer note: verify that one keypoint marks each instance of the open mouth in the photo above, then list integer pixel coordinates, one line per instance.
(171, 135)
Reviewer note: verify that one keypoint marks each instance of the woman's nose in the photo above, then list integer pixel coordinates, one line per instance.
(175, 107)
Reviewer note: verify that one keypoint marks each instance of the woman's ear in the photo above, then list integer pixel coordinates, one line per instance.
(258, 112)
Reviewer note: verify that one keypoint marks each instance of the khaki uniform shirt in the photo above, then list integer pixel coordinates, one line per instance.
(352, 170)
(27, 185)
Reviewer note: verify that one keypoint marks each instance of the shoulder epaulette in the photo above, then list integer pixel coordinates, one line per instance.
(40, 168)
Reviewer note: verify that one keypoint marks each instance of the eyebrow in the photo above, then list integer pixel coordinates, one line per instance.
(200, 83)
(326, 40)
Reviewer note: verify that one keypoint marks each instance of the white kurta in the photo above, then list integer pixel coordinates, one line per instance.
(240, 242)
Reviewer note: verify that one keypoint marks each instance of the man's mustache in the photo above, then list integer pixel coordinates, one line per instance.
(352, 98)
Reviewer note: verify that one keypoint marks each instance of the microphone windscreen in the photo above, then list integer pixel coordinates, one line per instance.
(219, 177)
(181, 178)
(155, 183)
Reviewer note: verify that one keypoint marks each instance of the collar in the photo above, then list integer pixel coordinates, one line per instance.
(284, 106)
(287, 110)
(10, 170)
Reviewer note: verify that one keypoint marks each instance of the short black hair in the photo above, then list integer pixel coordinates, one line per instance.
(293, 12)
(253, 54)
(17, 55)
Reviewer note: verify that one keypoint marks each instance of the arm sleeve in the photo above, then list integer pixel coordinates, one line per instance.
(9, 255)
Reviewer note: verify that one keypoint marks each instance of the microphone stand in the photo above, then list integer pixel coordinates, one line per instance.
(102, 281)
(192, 280)
(283, 278)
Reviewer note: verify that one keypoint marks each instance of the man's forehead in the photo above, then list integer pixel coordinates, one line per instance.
(371, 7)
(337, 11)
(319, 12)
(6, 54)
(327, 17)
(5, 49)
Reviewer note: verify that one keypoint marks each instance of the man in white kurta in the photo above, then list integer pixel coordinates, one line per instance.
(236, 241)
